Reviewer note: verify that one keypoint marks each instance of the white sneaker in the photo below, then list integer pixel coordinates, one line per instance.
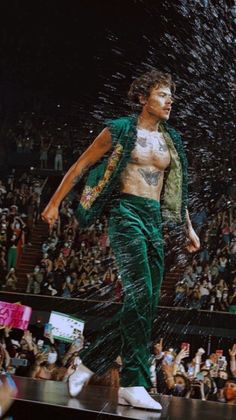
(78, 379)
(137, 397)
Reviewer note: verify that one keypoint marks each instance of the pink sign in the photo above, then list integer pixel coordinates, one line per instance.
(14, 315)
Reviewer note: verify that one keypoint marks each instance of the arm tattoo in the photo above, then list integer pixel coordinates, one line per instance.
(151, 177)
(76, 179)
(80, 176)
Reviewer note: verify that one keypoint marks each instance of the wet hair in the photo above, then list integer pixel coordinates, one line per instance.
(146, 82)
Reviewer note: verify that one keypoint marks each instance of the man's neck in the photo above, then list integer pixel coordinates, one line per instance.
(149, 122)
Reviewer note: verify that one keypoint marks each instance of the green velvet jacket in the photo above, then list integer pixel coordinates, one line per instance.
(103, 178)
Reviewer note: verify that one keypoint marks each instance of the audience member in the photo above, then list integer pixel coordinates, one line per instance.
(208, 281)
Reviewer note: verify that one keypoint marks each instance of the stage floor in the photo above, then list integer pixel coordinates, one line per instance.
(39, 399)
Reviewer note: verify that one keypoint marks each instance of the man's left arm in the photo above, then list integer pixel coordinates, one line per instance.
(193, 241)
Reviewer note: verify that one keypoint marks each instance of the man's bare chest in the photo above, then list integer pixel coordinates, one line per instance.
(150, 149)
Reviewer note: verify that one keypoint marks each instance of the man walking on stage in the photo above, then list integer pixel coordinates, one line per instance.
(142, 157)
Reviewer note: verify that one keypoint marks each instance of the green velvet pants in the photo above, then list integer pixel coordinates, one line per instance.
(136, 239)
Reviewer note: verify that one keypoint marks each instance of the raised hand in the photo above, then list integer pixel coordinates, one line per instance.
(232, 352)
(181, 355)
(41, 358)
(28, 337)
(7, 331)
(158, 347)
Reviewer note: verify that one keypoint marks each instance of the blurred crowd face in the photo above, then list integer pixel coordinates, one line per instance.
(179, 380)
(180, 385)
(52, 357)
(223, 374)
(214, 358)
(24, 344)
(230, 392)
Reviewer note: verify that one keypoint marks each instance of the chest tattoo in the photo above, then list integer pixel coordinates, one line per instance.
(142, 141)
(150, 177)
(162, 147)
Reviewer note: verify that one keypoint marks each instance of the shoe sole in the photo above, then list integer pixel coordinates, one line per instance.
(122, 401)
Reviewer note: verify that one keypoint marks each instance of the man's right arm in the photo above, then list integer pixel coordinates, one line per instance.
(101, 145)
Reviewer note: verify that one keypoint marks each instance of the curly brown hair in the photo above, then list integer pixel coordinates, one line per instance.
(143, 84)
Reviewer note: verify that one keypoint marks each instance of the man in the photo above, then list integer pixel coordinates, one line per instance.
(144, 151)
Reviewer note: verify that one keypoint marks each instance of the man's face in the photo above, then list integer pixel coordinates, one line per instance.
(158, 102)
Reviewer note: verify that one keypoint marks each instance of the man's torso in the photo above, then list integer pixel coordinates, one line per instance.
(144, 174)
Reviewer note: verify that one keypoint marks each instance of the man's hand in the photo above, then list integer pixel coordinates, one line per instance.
(50, 214)
(193, 241)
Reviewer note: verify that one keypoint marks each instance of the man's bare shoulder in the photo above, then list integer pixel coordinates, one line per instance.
(100, 145)
(104, 138)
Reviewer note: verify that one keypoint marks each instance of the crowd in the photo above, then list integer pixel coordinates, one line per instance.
(45, 142)
(75, 262)
(209, 280)
(20, 196)
(211, 377)
(36, 354)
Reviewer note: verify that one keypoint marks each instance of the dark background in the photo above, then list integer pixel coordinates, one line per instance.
(74, 61)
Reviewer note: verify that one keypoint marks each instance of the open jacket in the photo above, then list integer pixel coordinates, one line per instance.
(103, 178)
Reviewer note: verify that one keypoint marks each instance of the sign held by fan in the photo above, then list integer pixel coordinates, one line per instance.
(14, 315)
